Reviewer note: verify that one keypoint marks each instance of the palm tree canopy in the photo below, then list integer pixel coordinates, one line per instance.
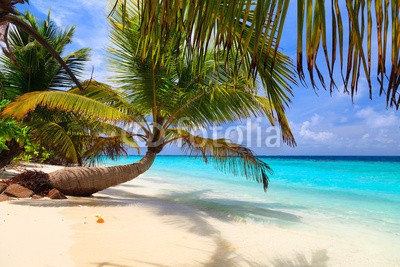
(34, 68)
(186, 85)
(173, 98)
(10, 16)
(77, 128)
(68, 136)
(253, 30)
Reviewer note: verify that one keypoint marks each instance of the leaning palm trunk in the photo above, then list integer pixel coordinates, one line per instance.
(85, 181)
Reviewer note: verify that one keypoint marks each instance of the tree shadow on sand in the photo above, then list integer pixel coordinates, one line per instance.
(189, 211)
(220, 208)
(319, 258)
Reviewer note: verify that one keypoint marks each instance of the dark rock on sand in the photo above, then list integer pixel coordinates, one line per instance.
(55, 194)
(18, 191)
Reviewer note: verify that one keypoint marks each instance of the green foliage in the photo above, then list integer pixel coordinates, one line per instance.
(333, 34)
(36, 69)
(10, 129)
(183, 91)
(64, 133)
(66, 121)
(175, 82)
(166, 80)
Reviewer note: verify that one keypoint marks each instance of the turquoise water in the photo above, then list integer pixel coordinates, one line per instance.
(361, 191)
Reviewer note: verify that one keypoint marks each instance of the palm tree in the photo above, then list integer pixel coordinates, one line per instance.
(245, 27)
(10, 16)
(167, 102)
(33, 67)
(75, 139)
(245, 36)
(70, 138)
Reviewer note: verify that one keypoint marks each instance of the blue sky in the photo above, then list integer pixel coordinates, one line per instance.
(322, 124)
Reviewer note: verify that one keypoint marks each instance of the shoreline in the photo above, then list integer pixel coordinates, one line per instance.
(142, 227)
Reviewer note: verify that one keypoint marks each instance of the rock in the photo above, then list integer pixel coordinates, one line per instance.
(35, 196)
(4, 197)
(55, 194)
(3, 187)
(18, 191)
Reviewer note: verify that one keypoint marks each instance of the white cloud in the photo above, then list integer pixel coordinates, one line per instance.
(375, 119)
(362, 91)
(315, 119)
(355, 131)
(319, 136)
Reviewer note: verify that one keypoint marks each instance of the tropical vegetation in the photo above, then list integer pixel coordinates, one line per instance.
(167, 103)
(351, 32)
(9, 16)
(202, 61)
(33, 68)
(67, 138)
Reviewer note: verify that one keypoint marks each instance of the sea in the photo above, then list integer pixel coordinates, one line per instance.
(325, 193)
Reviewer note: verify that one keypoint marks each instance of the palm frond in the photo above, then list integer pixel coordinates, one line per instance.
(63, 101)
(76, 61)
(229, 101)
(34, 68)
(194, 90)
(222, 23)
(32, 32)
(105, 94)
(57, 137)
(86, 138)
(143, 83)
(97, 146)
(226, 156)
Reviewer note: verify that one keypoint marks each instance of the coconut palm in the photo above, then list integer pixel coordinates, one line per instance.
(245, 36)
(245, 26)
(167, 103)
(10, 16)
(33, 67)
(75, 139)
(70, 138)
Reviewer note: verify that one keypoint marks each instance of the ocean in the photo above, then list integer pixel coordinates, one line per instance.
(321, 193)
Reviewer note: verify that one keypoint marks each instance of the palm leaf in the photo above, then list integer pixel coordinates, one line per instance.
(228, 22)
(97, 146)
(103, 93)
(63, 101)
(32, 32)
(226, 156)
(36, 69)
(57, 137)
(227, 102)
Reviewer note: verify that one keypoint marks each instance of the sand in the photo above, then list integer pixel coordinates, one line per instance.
(142, 227)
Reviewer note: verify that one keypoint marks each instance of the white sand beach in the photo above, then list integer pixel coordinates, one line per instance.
(141, 228)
